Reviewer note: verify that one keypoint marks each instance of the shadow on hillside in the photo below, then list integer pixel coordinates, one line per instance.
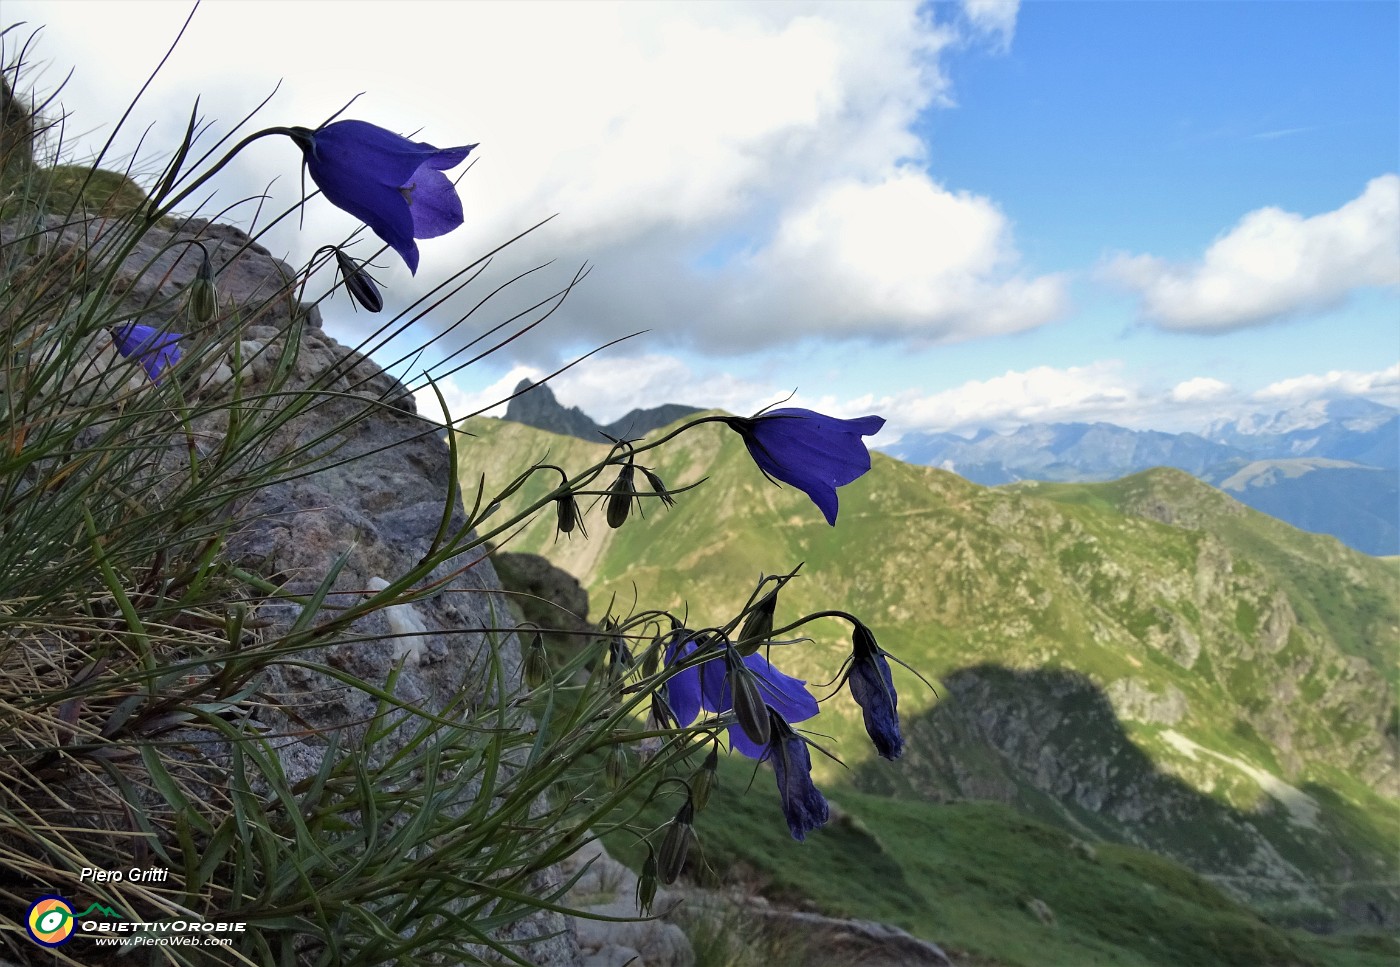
(1047, 742)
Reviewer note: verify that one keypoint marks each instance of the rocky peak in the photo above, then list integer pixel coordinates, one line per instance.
(535, 405)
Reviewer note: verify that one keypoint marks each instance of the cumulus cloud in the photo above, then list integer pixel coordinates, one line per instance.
(1199, 389)
(1102, 391)
(610, 389)
(1098, 391)
(1273, 264)
(902, 255)
(1382, 385)
(736, 173)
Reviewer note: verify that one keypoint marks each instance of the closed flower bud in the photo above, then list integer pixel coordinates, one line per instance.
(358, 282)
(621, 495)
(663, 714)
(646, 883)
(658, 487)
(615, 767)
(204, 297)
(651, 658)
(619, 655)
(705, 779)
(676, 846)
(569, 518)
(536, 662)
(749, 707)
(758, 624)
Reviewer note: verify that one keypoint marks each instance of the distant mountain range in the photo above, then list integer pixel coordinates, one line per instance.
(1329, 466)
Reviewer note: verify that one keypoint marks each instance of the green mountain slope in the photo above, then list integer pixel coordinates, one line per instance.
(1145, 662)
(988, 885)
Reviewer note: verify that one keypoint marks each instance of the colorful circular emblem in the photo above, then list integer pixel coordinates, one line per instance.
(50, 921)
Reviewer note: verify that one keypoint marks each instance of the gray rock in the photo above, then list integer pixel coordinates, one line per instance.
(607, 888)
(864, 942)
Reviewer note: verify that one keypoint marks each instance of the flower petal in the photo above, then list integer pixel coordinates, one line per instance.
(786, 695)
(744, 745)
(433, 203)
(153, 349)
(873, 689)
(683, 688)
(804, 806)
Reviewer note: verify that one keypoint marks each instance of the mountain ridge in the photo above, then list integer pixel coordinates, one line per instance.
(534, 404)
(1337, 462)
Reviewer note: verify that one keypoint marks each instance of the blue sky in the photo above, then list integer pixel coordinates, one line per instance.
(955, 215)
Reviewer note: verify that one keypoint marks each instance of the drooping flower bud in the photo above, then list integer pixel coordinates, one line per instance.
(663, 714)
(620, 496)
(620, 659)
(569, 517)
(705, 779)
(536, 662)
(804, 807)
(358, 283)
(615, 767)
(204, 297)
(676, 846)
(658, 487)
(758, 624)
(872, 687)
(749, 707)
(646, 883)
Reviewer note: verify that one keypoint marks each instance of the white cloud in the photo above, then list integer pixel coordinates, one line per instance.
(1102, 391)
(1273, 264)
(903, 255)
(1381, 385)
(1199, 389)
(696, 154)
(462, 401)
(995, 18)
(610, 388)
(1098, 391)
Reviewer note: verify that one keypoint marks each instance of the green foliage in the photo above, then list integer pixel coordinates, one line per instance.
(965, 876)
(76, 188)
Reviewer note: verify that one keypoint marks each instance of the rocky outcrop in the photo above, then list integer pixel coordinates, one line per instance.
(607, 889)
(363, 500)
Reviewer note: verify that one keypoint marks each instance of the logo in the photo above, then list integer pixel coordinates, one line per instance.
(50, 921)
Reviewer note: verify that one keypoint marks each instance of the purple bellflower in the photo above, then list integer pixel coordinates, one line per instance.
(393, 185)
(708, 686)
(873, 689)
(809, 451)
(153, 349)
(804, 806)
